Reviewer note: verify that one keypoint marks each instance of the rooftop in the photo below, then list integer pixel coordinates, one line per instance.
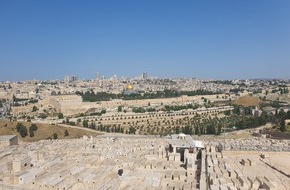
(181, 140)
(6, 137)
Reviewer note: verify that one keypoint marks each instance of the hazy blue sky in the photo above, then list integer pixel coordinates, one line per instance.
(47, 39)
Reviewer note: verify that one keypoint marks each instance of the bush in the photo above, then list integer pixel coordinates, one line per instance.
(72, 123)
(132, 130)
(60, 115)
(34, 109)
(85, 123)
(42, 116)
(32, 128)
(22, 130)
(227, 112)
(66, 133)
(55, 136)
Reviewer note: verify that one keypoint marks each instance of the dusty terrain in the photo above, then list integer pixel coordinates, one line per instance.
(44, 131)
(247, 101)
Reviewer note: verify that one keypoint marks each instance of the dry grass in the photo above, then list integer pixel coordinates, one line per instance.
(43, 132)
(247, 101)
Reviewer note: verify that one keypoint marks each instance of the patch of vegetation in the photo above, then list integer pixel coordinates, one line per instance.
(66, 133)
(42, 116)
(34, 109)
(55, 136)
(40, 131)
(22, 130)
(33, 101)
(1, 103)
(60, 115)
(32, 129)
(181, 107)
(91, 96)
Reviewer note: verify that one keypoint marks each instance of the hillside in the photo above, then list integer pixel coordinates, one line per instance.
(247, 101)
(43, 132)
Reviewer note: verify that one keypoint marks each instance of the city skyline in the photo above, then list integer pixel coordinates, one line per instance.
(220, 40)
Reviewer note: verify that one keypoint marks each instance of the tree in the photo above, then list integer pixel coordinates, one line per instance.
(85, 123)
(31, 129)
(275, 104)
(288, 115)
(34, 109)
(60, 115)
(31, 133)
(132, 130)
(72, 123)
(219, 130)
(236, 110)
(42, 116)
(93, 125)
(210, 129)
(22, 130)
(282, 125)
(227, 112)
(196, 131)
(138, 110)
(28, 119)
(55, 136)
(66, 133)
(177, 130)
(120, 108)
(282, 113)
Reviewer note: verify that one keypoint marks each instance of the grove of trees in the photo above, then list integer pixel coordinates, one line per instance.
(91, 96)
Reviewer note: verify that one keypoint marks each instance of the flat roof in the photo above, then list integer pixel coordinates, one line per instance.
(198, 144)
(6, 137)
(185, 141)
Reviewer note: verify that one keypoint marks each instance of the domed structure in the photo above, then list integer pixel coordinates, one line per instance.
(130, 87)
(129, 90)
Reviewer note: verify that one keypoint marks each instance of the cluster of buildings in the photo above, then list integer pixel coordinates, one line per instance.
(35, 89)
(4, 109)
(54, 96)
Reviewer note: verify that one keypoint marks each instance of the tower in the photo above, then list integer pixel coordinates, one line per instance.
(98, 76)
(144, 75)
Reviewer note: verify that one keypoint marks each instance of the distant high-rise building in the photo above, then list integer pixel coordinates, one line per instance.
(98, 76)
(74, 78)
(68, 79)
(144, 75)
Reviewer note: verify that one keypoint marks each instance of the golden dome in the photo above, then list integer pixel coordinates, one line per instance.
(130, 87)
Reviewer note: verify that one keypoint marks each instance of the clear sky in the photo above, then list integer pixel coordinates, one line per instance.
(47, 39)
